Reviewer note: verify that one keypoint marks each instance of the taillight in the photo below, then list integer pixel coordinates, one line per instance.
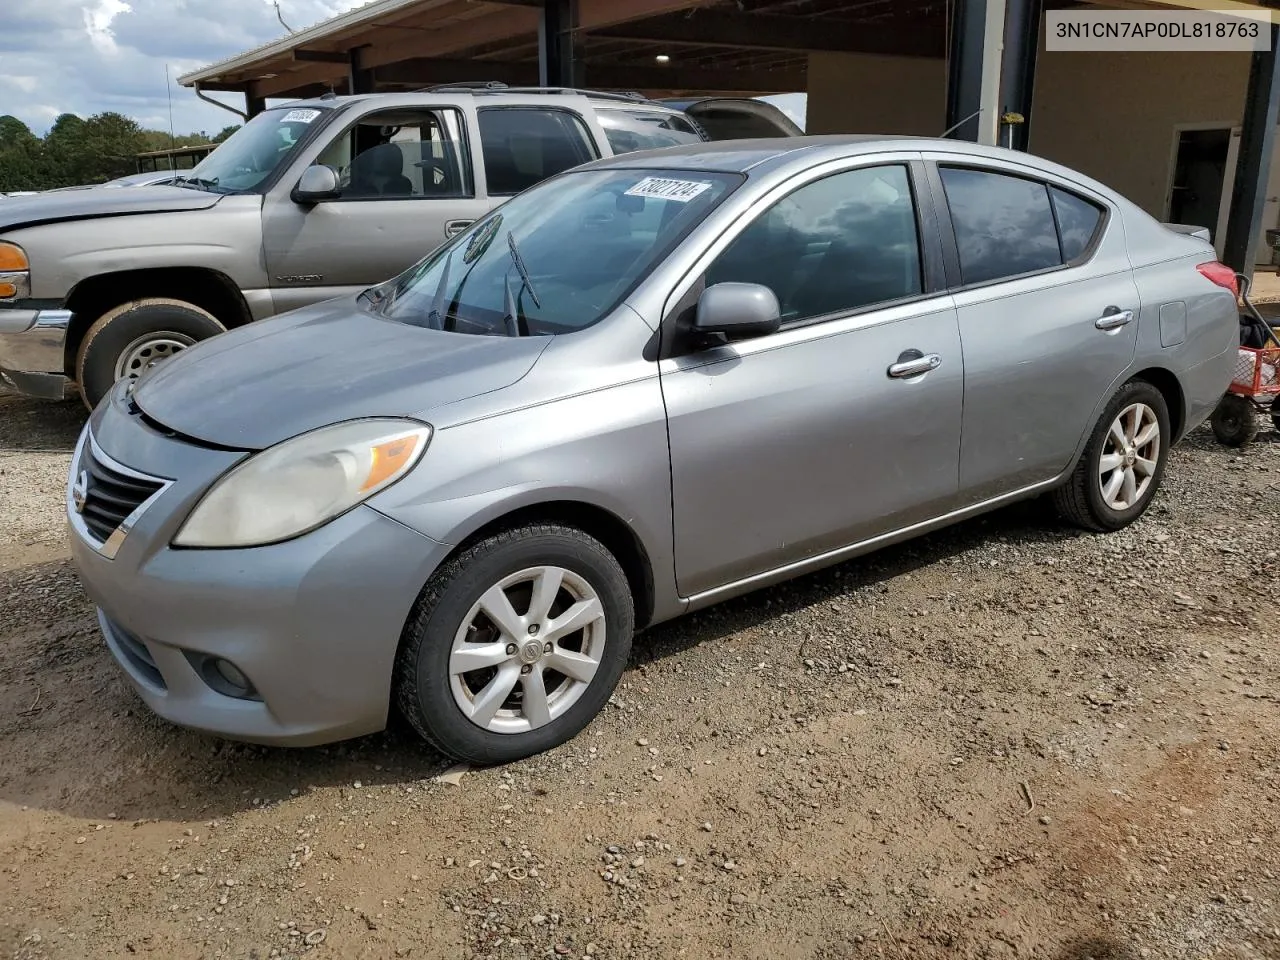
(1220, 274)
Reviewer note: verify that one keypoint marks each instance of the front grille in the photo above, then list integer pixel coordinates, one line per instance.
(109, 495)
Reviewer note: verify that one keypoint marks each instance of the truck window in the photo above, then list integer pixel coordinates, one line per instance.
(402, 155)
(525, 145)
(628, 132)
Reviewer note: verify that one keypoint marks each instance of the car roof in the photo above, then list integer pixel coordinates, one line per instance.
(742, 156)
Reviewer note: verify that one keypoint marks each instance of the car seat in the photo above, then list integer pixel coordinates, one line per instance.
(379, 172)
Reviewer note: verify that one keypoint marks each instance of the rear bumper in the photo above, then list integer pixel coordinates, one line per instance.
(32, 351)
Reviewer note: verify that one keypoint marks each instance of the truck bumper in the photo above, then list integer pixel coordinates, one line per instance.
(32, 344)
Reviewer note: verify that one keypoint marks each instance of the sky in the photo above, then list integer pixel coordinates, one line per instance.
(88, 56)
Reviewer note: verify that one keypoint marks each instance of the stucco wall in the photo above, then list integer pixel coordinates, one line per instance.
(1109, 115)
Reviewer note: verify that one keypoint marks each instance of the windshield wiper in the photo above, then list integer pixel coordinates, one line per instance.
(197, 183)
(514, 250)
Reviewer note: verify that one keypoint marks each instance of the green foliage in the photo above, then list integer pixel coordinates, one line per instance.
(79, 151)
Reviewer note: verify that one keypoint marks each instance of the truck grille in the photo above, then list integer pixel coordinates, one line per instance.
(109, 495)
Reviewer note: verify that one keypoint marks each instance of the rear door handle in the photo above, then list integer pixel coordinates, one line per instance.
(914, 366)
(1113, 318)
(455, 227)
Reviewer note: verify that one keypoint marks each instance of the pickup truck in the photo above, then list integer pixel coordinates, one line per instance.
(308, 201)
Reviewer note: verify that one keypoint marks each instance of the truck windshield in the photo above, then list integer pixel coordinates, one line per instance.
(558, 257)
(246, 159)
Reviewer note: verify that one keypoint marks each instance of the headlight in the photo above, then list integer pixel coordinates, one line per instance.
(303, 483)
(15, 276)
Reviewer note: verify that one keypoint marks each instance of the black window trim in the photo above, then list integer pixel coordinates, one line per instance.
(677, 317)
(578, 115)
(946, 227)
(464, 153)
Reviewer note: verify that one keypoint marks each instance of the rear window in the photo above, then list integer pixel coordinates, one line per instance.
(523, 146)
(629, 132)
(1078, 222)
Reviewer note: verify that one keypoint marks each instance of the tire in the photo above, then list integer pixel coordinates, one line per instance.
(1233, 421)
(1084, 500)
(446, 617)
(153, 328)
(1275, 413)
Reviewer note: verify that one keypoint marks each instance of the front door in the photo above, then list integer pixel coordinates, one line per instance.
(1048, 314)
(407, 186)
(843, 425)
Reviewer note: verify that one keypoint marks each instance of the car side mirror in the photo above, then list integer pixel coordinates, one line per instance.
(738, 310)
(318, 182)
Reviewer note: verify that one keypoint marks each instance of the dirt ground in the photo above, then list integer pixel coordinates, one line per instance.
(1005, 740)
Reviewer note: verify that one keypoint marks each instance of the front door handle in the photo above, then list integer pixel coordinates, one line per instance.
(455, 227)
(1113, 318)
(913, 363)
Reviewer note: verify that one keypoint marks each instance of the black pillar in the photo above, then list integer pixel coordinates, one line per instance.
(253, 104)
(559, 64)
(360, 79)
(964, 68)
(1018, 70)
(1253, 168)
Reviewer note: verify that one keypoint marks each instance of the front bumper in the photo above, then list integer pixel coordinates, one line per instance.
(32, 351)
(313, 623)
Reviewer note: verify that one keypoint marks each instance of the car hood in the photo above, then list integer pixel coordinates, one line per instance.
(60, 205)
(271, 380)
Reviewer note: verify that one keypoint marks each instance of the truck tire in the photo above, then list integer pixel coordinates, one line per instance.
(131, 338)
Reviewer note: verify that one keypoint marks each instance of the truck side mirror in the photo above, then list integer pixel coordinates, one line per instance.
(318, 182)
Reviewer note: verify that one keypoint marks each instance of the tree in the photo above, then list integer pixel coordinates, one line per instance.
(225, 132)
(19, 156)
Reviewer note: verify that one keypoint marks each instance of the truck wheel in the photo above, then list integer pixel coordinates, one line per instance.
(126, 341)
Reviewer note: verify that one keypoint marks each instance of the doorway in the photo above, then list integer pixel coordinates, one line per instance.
(1199, 175)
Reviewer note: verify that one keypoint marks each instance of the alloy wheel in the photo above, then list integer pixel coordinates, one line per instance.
(1129, 457)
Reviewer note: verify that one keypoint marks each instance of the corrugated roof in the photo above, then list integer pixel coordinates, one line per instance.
(359, 16)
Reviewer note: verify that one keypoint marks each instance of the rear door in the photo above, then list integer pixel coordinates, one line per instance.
(408, 184)
(1047, 307)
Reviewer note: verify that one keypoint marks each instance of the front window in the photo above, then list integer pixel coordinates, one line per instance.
(246, 160)
(557, 258)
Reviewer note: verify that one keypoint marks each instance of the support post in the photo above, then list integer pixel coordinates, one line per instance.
(973, 70)
(253, 104)
(559, 63)
(1018, 69)
(1253, 166)
(359, 79)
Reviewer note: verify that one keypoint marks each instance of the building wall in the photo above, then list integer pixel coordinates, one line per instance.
(1108, 115)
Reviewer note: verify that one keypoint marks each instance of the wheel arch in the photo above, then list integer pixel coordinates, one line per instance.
(202, 287)
(1166, 381)
(617, 536)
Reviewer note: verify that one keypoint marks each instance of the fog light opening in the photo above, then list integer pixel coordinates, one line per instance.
(228, 679)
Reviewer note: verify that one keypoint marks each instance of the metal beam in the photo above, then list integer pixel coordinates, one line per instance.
(964, 69)
(1253, 168)
(599, 76)
(320, 56)
(1018, 69)
(741, 31)
(559, 48)
(360, 78)
(253, 104)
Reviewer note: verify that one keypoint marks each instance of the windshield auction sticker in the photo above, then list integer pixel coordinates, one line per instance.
(300, 116)
(661, 188)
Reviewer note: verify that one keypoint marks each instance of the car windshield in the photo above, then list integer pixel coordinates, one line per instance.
(246, 159)
(558, 257)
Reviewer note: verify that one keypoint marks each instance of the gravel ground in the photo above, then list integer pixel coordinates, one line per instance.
(1004, 740)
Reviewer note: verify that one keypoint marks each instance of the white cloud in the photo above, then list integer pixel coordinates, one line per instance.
(97, 23)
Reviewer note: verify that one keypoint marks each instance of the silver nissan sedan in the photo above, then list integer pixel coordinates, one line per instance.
(644, 386)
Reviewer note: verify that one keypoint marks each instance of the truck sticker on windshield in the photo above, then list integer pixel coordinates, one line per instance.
(300, 116)
(661, 188)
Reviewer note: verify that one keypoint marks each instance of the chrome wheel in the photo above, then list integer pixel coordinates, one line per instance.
(1129, 457)
(148, 350)
(512, 672)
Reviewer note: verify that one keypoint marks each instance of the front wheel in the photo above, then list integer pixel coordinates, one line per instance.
(515, 644)
(127, 341)
(1123, 462)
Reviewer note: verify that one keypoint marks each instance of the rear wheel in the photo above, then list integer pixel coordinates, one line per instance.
(1123, 462)
(1275, 413)
(1233, 421)
(126, 342)
(515, 644)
